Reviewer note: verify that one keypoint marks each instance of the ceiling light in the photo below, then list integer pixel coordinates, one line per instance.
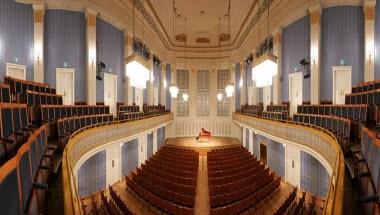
(185, 97)
(229, 90)
(264, 69)
(173, 91)
(219, 96)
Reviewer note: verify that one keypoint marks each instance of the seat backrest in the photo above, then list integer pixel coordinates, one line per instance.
(26, 179)
(5, 93)
(24, 116)
(16, 118)
(9, 189)
(6, 120)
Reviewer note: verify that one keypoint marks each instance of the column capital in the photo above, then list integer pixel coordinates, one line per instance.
(315, 14)
(38, 13)
(369, 9)
(39, 7)
(91, 17)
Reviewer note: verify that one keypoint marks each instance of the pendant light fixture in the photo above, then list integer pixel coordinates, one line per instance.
(265, 67)
(230, 87)
(185, 96)
(136, 65)
(173, 87)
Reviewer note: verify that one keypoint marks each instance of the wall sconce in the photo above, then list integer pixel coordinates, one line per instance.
(92, 57)
(38, 52)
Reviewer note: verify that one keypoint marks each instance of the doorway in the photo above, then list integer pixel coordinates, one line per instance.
(266, 96)
(64, 84)
(263, 153)
(341, 83)
(110, 91)
(15, 71)
(295, 91)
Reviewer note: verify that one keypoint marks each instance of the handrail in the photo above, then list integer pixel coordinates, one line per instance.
(318, 139)
(84, 140)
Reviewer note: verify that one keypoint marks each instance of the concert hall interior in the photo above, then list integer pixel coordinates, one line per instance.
(113, 107)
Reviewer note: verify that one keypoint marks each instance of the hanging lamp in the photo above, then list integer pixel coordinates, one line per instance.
(136, 65)
(265, 67)
(173, 89)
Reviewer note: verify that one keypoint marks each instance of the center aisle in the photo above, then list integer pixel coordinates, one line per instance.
(202, 200)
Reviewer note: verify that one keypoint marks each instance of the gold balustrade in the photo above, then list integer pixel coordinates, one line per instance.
(85, 140)
(318, 140)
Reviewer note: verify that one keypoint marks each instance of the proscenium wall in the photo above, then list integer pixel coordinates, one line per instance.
(16, 36)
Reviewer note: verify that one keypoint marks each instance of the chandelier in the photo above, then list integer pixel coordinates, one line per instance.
(173, 91)
(219, 96)
(265, 67)
(137, 71)
(229, 90)
(185, 97)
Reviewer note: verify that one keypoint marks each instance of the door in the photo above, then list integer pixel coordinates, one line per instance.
(155, 94)
(16, 71)
(263, 153)
(110, 91)
(64, 84)
(266, 96)
(295, 91)
(341, 83)
(139, 97)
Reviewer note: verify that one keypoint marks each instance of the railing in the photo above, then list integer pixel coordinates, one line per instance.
(317, 139)
(85, 140)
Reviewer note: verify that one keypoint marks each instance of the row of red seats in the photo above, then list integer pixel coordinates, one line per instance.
(122, 207)
(174, 194)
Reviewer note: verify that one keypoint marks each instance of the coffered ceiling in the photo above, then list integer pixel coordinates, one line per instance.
(205, 20)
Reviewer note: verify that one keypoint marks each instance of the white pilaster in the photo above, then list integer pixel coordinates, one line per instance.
(277, 78)
(39, 13)
(164, 84)
(242, 83)
(315, 50)
(128, 40)
(173, 79)
(142, 149)
(192, 92)
(213, 91)
(369, 37)
(91, 56)
(113, 164)
(250, 141)
(232, 80)
(244, 137)
(149, 84)
(154, 142)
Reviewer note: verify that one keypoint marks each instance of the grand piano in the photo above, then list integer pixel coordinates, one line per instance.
(204, 135)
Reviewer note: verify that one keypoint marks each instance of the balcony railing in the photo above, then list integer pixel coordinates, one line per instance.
(318, 140)
(85, 140)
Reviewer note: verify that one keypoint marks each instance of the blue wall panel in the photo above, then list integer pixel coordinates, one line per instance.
(342, 38)
(65, 43)
(110, 42)
(16, 35)
(168, 81)
(92, 174)
(314, 177)
(237, 87)
(295, 47)
(276, 157)
(129, 156)
(377, 42)
(150, 145)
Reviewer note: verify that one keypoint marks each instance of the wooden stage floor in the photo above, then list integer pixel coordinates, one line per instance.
(203, 146)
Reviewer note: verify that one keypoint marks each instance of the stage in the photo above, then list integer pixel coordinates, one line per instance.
(203, 146)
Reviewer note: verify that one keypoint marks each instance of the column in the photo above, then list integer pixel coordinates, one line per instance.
(232, 80)
(39, 13)
(154, 142)
(143, 140)
(91, 56)
(113, 164)
(277, 78)
(369, 38)
(149, 84)
(244, 137)
(193, 92)
(293, 164)
(128, 41)
(173, 107)
(315, 50)
(164, 84)
(250, 141)
(241, 83)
